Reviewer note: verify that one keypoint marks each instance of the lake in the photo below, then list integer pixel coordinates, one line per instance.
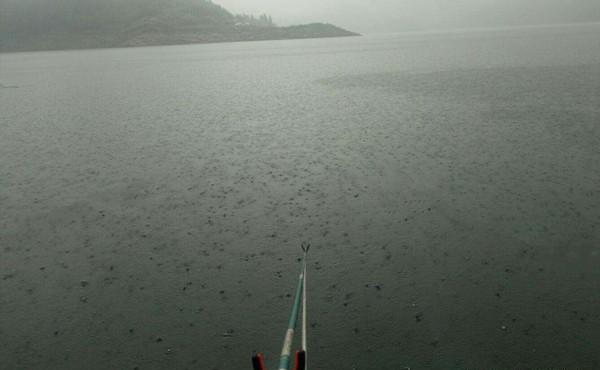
(153, 202)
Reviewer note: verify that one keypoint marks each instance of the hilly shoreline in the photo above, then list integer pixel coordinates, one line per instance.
(132, 23)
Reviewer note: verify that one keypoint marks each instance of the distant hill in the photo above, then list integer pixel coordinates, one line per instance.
(73, 24)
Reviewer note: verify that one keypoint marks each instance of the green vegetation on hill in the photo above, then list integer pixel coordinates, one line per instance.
(71, 24)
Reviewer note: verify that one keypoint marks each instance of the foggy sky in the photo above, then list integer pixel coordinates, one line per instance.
(398, 15)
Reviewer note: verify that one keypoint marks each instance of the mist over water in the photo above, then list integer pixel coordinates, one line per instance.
(153, 201)
(381, 16)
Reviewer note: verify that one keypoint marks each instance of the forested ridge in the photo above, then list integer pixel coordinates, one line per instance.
(66, 24)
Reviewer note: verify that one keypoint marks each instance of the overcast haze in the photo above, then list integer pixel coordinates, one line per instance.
(398, 15)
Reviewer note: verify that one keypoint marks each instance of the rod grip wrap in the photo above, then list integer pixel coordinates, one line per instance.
(258, 362)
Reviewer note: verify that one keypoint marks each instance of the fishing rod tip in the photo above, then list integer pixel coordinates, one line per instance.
(305, 247)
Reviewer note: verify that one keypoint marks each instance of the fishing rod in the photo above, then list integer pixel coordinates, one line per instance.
(258, 360)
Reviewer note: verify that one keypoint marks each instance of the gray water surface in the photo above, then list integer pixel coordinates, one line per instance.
(153, 202)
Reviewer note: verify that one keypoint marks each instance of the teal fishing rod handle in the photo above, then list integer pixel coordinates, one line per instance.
(258, 361)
